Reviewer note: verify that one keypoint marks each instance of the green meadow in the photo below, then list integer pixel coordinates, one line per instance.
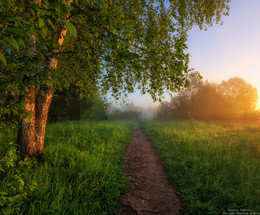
(215, 167)
(83, 173)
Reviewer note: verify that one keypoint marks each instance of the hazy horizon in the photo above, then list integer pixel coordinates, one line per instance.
(223, 51)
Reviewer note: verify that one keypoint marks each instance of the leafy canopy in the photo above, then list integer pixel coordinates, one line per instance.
(111, 45)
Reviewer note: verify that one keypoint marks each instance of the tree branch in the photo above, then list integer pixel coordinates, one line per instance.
(71, 43)
(124, 40)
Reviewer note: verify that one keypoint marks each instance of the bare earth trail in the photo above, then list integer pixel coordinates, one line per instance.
(150, 192)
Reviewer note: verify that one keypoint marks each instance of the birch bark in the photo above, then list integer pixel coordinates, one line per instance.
(31, 130)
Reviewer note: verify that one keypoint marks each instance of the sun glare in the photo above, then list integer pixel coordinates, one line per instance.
(258, 102)
(258, 105)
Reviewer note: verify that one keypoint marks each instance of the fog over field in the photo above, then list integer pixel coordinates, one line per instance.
(147, 111)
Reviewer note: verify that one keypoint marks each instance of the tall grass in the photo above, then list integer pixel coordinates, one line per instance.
(82, 175)
(214, 166)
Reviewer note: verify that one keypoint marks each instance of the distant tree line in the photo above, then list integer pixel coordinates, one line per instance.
(232, 100)
(124, 115)
(67, 105)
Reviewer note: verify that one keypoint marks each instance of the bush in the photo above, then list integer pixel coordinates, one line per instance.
(14, 189)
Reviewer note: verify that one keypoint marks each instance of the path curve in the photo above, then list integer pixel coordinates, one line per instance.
(150, 192)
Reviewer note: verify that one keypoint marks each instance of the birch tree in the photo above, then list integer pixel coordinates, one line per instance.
(99, 46)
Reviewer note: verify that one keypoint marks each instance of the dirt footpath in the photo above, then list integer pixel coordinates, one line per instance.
(150, 192)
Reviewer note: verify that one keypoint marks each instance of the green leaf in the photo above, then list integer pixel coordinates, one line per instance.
(71, 28)
(2, 202)
(2, 58)
(44, 32)
(41, 22)
(5, 44)
(53, 5)
(13, 42)
(3, 193)
(50, 22)
(18, 31)
(20, 41)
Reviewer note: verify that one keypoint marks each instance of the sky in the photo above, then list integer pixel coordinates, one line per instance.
(225, 51)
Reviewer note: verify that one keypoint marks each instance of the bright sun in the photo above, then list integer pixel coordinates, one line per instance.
(258, 105)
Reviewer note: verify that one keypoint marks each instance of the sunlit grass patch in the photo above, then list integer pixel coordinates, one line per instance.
(214, 166)
(83, 173)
